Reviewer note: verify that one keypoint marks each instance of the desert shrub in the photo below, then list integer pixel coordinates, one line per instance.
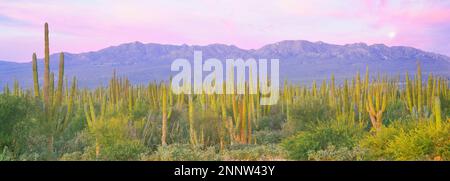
(253, 152)
(78, 143)
(32, 156)
(74, 156)
(148, 129)
(445, 106)
(376, 144)
(268, 137)
(140, 110)
(331, 153)
(120, 151)
(395, 111)
(320, 137)
(273, 121)
(115, 139)
(5, 154)
(126, 150)
(426, 142)
(13, 111)
(305, 114)
(207, 125)
(182, 152)
(414, 141)
(30, 141)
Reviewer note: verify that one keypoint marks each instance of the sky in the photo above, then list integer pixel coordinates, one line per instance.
(89, 25)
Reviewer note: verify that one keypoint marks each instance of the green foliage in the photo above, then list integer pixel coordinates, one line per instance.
(376, 144)
(270, 122)
(331, 153)
(182, 152)
(123, 150)
(320, 137)
(9, 108)
(268, 137)
(254, 153)
(5, 155)
(422, 143)
(305, 114)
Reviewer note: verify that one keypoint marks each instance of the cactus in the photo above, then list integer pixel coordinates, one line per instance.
(192, 133)
(419, 89)
(376, 110)
(409, 99)
(437, 112)
(46, 89)
(35, 76)
(59, 91)
(164, 115)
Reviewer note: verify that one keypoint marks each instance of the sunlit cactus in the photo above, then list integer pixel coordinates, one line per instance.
(35, 76)
(164, 115)
(437, 112)
(46, 90)
(59, 91)
(377, 93)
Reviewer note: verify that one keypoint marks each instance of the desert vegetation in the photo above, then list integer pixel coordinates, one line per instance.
(368, 117)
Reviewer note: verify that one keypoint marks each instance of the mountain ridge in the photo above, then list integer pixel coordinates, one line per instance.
(300, 61)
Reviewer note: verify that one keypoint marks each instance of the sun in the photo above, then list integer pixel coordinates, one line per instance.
(392, 34)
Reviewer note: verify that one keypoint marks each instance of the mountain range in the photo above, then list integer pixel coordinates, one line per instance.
(300, 61)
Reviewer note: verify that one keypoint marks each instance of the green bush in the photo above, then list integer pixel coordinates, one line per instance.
(13, 111)
(376, 144)
(320, 137)
(268, 137)
(75, 156)
(253, 153)
(124, 150)
(418, 141)
(271, 122)
(331, 153)
(307, 113)
(5, 155)
(182, 152)
(422, 143)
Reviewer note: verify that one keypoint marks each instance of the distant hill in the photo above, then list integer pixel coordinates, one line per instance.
(300, 61)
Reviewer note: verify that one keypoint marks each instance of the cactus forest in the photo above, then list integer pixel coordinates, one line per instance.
(371, 116)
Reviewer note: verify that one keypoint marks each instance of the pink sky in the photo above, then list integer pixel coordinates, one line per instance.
(88, 25)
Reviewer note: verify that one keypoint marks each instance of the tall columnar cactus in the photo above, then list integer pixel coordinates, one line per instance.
(51, 91)
(419, 89)
(437, 112)
(70, 102)
(94, 123)
(16, 88)
(409, 99)
(35, 76)
(378, 93)
(192, 132)
(332, 98)
(314, 89)
(59, 91)
(164, 115)
(429, 95)
(6, 90)
(46, 89)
